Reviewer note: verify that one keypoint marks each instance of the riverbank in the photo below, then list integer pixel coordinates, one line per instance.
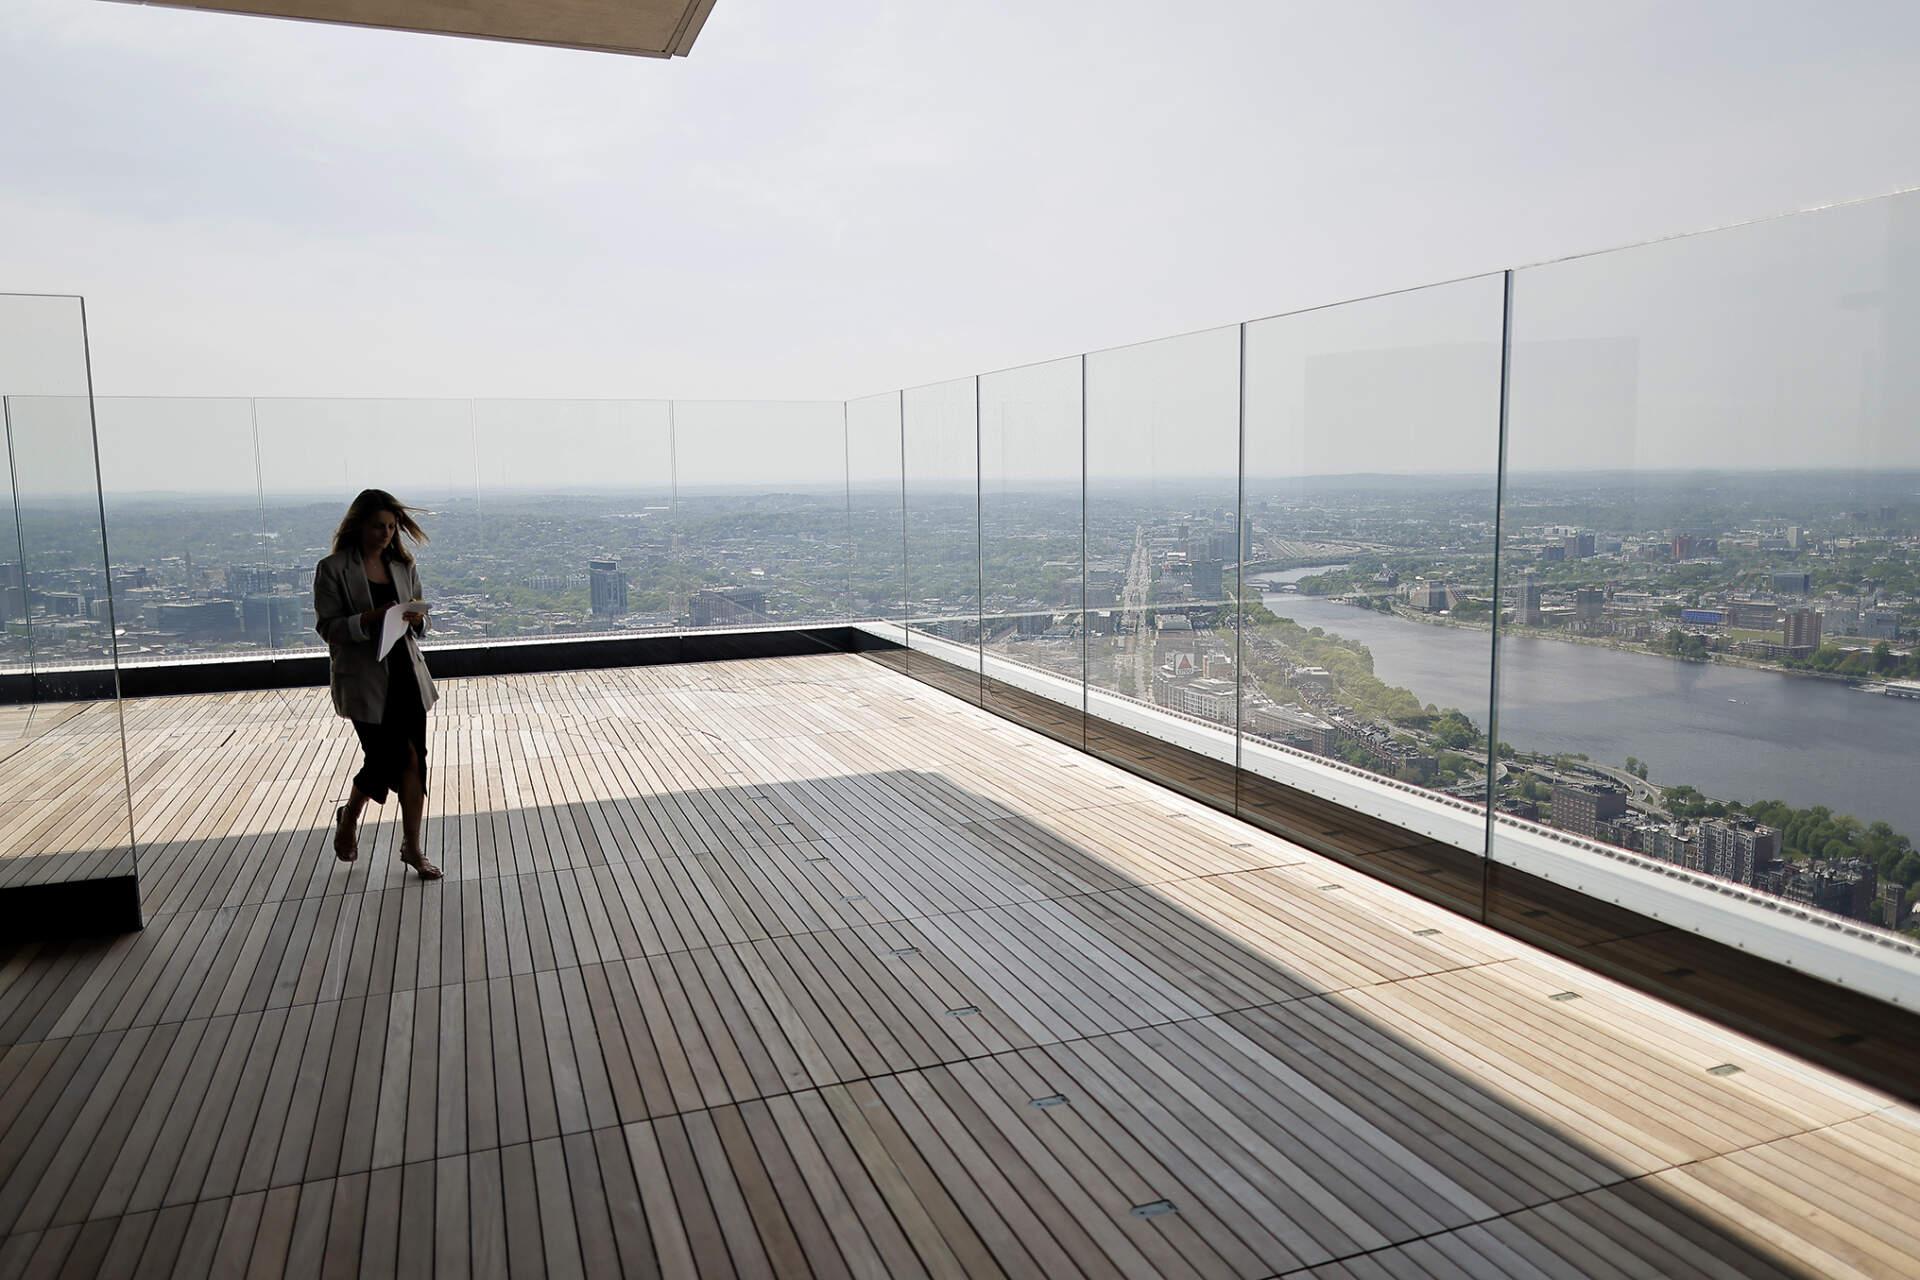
(1731, 730)
(1619, 646)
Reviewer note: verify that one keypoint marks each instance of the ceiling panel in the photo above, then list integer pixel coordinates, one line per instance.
(649, 28)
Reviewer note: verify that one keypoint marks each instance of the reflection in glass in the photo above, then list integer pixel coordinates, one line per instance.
(195, 571)
(315, 455)
(1164, 539)
(65, 810)
(761, 515)
(1032, 623)
(940, 444)
(58, 586)
(566, 541)
(1707, 566)
(1372, 433)
(876, 564)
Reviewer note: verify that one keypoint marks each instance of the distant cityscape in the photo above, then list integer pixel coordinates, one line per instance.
(1815, 575)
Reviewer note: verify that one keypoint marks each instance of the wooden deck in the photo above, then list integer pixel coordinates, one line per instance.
(63, 794)
(796, 967)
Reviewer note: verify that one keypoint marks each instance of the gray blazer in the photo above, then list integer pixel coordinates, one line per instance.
(341, 594)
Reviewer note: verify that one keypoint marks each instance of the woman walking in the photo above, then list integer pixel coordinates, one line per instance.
(370, 570)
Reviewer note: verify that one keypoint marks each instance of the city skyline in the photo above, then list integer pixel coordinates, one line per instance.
(1174, 595)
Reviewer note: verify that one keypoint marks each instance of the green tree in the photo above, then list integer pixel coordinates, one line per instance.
(1454, 729)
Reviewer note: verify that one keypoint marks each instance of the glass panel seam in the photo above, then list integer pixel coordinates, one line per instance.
(106, 567)
(1493, 647)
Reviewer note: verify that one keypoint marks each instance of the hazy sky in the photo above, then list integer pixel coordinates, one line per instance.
(833, 199)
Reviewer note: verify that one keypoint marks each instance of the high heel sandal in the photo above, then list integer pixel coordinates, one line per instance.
(418, 861)
(346, 843)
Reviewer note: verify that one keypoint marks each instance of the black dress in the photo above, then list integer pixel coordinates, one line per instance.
(403, 720)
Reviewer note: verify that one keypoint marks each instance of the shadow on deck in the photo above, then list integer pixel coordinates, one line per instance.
(876, 1022)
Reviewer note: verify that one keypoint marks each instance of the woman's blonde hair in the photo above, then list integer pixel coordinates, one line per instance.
(370, 503)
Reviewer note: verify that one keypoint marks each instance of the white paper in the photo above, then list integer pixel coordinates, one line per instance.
(394, 623)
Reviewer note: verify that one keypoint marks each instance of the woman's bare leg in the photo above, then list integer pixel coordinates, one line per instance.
(346, 835)
(413, 800)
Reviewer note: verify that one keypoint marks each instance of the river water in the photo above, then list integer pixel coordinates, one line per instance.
(1732, 732)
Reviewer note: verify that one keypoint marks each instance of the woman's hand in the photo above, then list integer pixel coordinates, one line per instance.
(369, 619)
(415, 618)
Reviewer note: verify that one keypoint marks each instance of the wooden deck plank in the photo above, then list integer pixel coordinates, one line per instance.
(793, 966)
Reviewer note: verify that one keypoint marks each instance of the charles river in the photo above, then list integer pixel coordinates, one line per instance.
(1734, 733)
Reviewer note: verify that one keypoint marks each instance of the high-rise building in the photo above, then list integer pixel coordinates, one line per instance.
(1800, 629)
(1671, 843)
(1845, 888)
(249, 579)
(728, 606)
(1738, 849)
(13, 591)
(1246, 538)
(1531, 597)
(1797, 583)
(273, 620)
(1430, 595)
(1578, 545)
(1890, 907)
(1208, 581)
(607, 588)
(1581, 810)
(216, 617)
(1684, 546)
(1589, 604)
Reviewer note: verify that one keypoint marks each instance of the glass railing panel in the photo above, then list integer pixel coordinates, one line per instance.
(760, 520)
(195, 572)
(1162, 510)
(1705, 680)
(65, 808)
(56, 591)
(876, 530)
(317, 455)
(940, 444)
(1372, 447)
(1033, 635)
(568, 529)
(197, 576)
